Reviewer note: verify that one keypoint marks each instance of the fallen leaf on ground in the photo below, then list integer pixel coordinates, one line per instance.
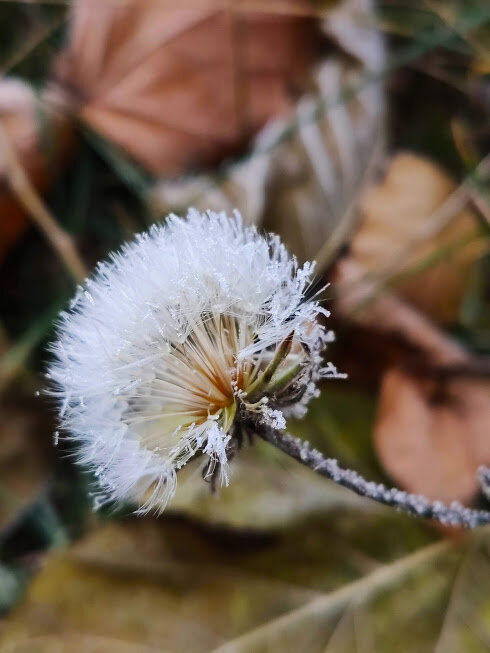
(433, 435)
(180, 87)
(171, 586)
(414, 223)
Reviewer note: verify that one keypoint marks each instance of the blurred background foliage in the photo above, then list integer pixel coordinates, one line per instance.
(361, 134)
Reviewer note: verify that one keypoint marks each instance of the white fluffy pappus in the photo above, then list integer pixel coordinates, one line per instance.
(173, 341)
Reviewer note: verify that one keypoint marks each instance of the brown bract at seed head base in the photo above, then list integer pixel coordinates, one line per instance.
(181, 87)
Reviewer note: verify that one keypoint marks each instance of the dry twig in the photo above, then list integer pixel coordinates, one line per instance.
(28, 197)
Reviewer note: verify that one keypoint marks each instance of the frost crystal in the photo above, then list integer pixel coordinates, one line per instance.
(194, 325)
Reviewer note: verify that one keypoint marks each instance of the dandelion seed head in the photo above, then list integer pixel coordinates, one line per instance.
(175, 337)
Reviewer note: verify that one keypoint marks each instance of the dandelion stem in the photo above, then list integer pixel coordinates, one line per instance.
(454, 514)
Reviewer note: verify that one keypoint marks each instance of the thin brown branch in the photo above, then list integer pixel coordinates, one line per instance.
(29, 198)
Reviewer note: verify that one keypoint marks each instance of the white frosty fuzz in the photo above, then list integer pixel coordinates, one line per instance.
(173, 338)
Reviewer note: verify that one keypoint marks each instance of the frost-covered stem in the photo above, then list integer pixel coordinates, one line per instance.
(454, 514)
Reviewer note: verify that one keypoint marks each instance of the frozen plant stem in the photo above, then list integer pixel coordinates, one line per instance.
(454, 514)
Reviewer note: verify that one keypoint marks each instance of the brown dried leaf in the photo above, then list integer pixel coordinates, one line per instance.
(169, 585)
(407, 221)
(432, 437)
(179, 87)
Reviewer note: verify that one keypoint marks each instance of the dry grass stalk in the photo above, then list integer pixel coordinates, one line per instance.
(28, 197)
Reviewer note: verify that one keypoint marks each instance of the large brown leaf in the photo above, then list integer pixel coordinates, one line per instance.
(183, 86)
(169, 586)
(432, 436)
(431, 431)
(415, 224)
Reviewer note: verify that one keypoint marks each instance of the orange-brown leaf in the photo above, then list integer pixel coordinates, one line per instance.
(177, 87)
(407, 225)
(431, 437)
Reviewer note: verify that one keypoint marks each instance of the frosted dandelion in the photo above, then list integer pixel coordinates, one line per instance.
(198, 332)
(176, 342)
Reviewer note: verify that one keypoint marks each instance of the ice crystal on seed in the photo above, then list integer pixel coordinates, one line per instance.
(194, 324)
